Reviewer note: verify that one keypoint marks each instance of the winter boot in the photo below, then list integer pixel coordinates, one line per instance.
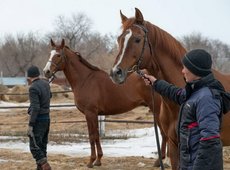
(39, 167)
(46, 166)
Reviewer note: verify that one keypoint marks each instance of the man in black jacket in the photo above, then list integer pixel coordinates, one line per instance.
(39, 121)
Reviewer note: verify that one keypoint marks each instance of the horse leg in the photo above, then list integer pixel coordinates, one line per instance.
(162, 120)
(99, 149)
(163, 145)
(91, 121)
(159, 112)
(99, 153)
(173, 153)
(163, 150)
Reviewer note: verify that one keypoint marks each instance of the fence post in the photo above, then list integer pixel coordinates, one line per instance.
(101, 123)
(1, 82)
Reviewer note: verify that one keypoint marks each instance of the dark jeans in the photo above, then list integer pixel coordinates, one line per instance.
(38, 143)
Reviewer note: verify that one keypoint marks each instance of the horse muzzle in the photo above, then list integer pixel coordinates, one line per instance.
(118, 75)
(48, 74)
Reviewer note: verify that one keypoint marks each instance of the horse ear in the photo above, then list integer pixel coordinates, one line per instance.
(123, 17)
(52, 43)
(139, 17)
(62, 43)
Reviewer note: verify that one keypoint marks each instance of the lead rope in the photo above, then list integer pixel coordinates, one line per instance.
(51, 79)
(56, 65)
(141, 74)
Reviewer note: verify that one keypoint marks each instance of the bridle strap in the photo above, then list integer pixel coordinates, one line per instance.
(63, 57)
(136, 67)
(140, 59)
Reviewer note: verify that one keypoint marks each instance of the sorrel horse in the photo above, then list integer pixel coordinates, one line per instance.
(95, 94)
(143, 45)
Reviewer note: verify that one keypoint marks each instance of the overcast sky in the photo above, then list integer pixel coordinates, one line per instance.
(178, 17)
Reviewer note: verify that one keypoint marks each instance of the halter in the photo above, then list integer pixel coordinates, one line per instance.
(57, 66)
(136, 67)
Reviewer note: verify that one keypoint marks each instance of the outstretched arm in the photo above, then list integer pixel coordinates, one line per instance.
(164, 88)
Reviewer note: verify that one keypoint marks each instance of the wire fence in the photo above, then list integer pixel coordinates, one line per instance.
(18, 94)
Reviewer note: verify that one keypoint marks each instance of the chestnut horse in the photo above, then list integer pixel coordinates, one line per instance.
(143, 45)
(95, 94)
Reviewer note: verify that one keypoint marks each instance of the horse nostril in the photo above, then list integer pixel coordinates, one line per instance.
(47, 72)
(116, 72)
(119, 71)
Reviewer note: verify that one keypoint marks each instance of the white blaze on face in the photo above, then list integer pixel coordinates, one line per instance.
(48, 64)
(127, 37)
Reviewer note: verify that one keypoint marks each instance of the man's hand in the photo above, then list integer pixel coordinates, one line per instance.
(149, 79)
(30, 132)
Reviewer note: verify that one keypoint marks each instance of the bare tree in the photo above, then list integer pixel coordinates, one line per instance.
(220, 52)
(77, 34)
(221, 55)
(71, 29)
(17, 54)
(7, 55)
(100, 50)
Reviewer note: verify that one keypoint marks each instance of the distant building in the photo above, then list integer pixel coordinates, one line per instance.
(12, 81)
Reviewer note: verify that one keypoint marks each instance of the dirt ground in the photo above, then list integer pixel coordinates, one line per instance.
(24, 161)
(14, 122)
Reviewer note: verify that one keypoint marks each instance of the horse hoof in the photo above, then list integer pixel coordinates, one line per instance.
(97, 163)
(156, 163)
(90, 165)
(166, 165)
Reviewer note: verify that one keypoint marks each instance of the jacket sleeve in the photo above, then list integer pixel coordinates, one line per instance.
(208, 114)
(34, 105)
(170, 91)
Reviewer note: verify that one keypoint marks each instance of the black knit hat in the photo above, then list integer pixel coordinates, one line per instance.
(199, 62)
(33, 71)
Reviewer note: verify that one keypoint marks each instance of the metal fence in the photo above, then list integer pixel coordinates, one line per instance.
(101, 118)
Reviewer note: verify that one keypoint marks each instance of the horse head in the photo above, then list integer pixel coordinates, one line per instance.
(56, 60)
(134, 47)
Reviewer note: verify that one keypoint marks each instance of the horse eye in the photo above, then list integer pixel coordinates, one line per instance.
(137, 40)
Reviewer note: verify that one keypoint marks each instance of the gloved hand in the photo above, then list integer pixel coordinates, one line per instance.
(30, 132)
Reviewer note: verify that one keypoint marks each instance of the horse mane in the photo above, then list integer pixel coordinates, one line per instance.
(83, 61)
(166, 41)
(161, 39)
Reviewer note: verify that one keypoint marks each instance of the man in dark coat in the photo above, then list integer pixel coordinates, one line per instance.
(39, 121)
(200, 113)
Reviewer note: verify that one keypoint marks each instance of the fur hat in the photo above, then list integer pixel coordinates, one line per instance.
(33, 71)
(198, 61)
